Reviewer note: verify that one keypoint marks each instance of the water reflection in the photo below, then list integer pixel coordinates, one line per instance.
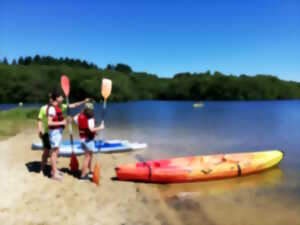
(271, 177)
(249, 200)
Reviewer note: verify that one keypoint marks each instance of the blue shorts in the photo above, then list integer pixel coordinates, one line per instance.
(89, 145)
(55, 137)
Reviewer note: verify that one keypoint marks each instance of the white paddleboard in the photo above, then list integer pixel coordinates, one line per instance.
(110, 146)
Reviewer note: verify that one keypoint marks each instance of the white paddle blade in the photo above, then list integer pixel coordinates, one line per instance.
(106, 88)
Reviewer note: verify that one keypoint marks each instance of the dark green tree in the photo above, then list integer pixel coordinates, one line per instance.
(37, 59)
(27, 60)
(123, 68)
(5, 61)
(109, 67)
(21, 61)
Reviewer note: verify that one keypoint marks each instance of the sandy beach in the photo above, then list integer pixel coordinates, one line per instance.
(28, 197)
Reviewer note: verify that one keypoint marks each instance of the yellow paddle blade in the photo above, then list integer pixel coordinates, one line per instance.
(106, 87)
(96, 174)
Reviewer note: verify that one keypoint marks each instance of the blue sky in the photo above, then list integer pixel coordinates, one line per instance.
(162, 37)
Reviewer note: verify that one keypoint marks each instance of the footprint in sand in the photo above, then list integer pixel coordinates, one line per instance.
(4, 210)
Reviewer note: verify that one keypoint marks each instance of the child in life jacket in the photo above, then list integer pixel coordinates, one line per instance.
(87, 132)
(43, 130)
(56, 124)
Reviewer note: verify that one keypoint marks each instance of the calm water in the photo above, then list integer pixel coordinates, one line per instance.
(178, 129)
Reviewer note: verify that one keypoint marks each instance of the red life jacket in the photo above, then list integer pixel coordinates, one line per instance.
(57, 118)
(83, 124)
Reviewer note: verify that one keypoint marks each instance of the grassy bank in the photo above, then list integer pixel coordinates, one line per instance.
(14, 120)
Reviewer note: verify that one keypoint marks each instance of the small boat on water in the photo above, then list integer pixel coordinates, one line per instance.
(198, 104)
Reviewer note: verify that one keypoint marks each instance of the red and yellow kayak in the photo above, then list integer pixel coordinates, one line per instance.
(197, 168)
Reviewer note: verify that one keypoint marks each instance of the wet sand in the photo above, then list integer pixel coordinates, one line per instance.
(28, 197)
(250, 200)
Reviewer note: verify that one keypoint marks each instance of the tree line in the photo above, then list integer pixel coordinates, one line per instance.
(29, 79)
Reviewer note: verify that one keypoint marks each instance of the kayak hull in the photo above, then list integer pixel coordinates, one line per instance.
(198, 168)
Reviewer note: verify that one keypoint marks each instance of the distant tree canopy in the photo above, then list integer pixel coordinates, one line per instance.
(29, 79)
(123, 68)
(49, 60)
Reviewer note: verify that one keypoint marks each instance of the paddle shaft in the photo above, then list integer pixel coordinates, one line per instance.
(105, 91)
(70, 124)
(103, 115)
(96, 172)
(103, 110)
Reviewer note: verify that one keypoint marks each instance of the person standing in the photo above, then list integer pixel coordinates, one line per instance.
(43, 130)
(87, 132)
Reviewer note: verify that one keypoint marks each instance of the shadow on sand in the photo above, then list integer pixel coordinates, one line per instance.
(35, 167)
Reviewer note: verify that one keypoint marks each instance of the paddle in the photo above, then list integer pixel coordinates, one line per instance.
(105, 92)
(65, 85)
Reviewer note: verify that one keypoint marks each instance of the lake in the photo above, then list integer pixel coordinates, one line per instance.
(178, 129)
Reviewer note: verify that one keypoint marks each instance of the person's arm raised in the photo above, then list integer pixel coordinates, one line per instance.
(77, 104)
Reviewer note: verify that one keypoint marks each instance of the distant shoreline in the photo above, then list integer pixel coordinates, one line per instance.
(8, 106)
(30, 79)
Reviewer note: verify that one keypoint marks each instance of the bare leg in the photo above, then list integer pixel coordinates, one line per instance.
(90, 163)
(86, 162)
(45, 156)
(53, 158)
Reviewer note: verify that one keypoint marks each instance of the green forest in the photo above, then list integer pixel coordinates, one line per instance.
(30, 79)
